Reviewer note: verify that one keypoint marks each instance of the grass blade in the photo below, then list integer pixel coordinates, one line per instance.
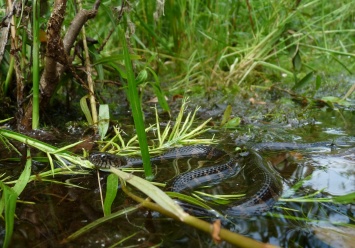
(152, 191)
(25, 175)
(136, 109)
(9, 198)
(36, 60)
(97, 222)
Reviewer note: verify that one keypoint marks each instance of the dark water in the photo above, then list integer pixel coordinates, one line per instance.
(58, 210)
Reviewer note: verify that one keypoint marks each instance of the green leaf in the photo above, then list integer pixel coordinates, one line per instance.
(111, 192)
(305, 80)
(114, 58)
(297, 62)
(233, 123)
(331, 100)
(345, 199)
(159, 92)
(9, 198)
(104, 120)
(189, 199)
(226, 115)
(156, 194)
(135, 104)
(142, 77)
(25, 175)
(5, 120)
(99, 67)
(161, 97)
(119, 69)
(318, 82)
(100, 221)
(85, 108)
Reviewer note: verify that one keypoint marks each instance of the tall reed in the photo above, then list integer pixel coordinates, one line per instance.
(36, 60)
(136, 108)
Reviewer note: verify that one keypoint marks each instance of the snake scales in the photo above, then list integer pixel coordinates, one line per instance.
(264, 183)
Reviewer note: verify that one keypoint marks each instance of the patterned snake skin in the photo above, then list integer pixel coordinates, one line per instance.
(265, 184)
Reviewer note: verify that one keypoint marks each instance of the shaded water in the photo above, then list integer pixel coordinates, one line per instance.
(60, 210)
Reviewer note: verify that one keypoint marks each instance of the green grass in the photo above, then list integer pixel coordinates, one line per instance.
(184, 47)
(36, 62)
(63, 162)
(195, 47)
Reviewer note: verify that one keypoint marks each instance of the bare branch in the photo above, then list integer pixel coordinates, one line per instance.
(79, 20)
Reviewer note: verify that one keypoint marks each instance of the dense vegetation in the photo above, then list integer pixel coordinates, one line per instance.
(65, 57)
(190, 47)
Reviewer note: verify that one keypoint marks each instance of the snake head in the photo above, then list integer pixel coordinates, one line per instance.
(103, 160)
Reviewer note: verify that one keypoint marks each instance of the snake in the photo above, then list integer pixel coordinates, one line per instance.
(261, 197)
(264, 183)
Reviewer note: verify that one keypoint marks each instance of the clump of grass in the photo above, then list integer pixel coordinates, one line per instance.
(228, 44)
(180, 133)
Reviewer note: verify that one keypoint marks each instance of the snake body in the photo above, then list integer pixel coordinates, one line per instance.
(265, 185)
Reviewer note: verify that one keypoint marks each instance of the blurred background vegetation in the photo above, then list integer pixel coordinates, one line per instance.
(177, 47)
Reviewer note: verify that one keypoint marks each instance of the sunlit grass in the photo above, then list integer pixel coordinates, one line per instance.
(231, 47)
(184, 131)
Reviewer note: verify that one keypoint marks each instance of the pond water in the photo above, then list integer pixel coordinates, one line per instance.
(56, 211)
